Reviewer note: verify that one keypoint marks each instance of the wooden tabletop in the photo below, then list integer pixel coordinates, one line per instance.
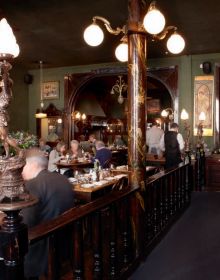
(74, 164)
(89, 192)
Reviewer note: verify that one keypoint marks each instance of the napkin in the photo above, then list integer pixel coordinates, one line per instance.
(86, 185)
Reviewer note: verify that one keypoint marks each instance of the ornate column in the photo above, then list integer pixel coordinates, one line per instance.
(136, 117)
(136, 93)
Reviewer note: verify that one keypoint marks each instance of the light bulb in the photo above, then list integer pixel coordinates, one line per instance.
(164, 113)
(120, 99)
(154, 21)
(175, 43)
(121, 52)
(93, 35)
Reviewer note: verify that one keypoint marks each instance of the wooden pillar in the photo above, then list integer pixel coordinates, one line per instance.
(136, 93)
(136, 116)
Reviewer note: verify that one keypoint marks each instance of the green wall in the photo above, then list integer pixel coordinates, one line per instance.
(27, 98)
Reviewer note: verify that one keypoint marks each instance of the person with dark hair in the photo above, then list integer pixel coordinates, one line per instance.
(172, 143)
(55, 196)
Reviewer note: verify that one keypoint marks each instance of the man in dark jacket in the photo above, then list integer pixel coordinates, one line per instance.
(172, 142)
(55, 196)
(103, 154)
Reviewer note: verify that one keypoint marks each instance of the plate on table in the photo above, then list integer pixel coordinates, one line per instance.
(86, 185)
(72, 180)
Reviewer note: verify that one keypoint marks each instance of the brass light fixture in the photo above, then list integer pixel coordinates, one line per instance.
(40, 113)
(119, 87)
(153, 23)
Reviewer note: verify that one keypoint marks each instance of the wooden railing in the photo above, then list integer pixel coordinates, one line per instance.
(109, 237)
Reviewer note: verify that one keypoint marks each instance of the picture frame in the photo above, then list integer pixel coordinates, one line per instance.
(51, 90)
(153, 106)
(203, 102)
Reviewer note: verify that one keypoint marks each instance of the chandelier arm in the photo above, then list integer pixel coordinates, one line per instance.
(107, 25)
(164, 33)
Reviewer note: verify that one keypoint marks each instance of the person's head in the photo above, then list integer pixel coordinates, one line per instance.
(82, 138)
(42, 142)
(174, 126)
(99, 145)
(92, 138)
(61, 147)
(74, 145)
(35, 162)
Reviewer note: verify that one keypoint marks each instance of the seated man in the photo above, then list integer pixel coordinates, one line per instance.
(103, 154)
(55, 196)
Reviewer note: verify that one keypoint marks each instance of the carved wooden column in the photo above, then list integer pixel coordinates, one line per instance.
(136, 111)
(136, 93)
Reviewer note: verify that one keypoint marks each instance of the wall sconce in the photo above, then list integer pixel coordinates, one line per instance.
(202, 118)
(185, 116)
(77, 116)
(119, 87)
(40, 114)
(153, 23)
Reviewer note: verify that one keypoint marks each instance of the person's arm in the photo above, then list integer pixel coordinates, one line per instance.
(53, 157)
(180, 141)
(161, 144)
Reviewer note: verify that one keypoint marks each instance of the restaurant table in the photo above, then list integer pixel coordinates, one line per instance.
(74, 164)
(150, 170)
(94, 190)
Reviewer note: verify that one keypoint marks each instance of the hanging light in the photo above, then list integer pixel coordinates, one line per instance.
(175, 43)
(154, 20)
(40, 113)
(93, 35)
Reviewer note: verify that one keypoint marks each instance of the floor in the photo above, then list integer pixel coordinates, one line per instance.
(191, 249)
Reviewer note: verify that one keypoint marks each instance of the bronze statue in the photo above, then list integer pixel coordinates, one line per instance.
(5, 98)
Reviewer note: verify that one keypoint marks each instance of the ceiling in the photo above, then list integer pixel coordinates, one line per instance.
(52, 30)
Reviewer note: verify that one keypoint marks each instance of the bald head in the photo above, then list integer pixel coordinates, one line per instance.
(35, 162)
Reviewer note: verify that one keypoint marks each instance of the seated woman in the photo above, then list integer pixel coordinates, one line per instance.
(55, 155)
(75, 150)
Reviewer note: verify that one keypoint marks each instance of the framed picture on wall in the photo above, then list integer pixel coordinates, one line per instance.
(51, 90)
(153, 106)
(203, 102)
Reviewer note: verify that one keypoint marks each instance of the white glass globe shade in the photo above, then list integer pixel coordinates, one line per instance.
(175, 43)
(93, 35)
(202, 116)
(121, 52)
(8, 41)
(154, 21)
(184, 115)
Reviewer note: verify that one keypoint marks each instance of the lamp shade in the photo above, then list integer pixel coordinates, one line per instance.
(8, 43)
(121, 52)
(175, 43)
(202, 116)
(93, 35)
(154, 21)
(184, 115)
(164, 113)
